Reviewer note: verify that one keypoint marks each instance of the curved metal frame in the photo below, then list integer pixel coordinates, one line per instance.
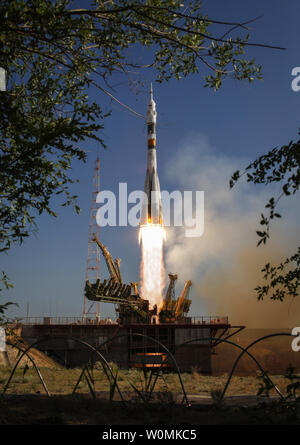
(245, 350)
(110, 340)
(110, 375)
(34, 364)
(43, 340)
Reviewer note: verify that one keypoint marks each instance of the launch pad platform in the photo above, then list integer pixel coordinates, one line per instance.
(191, 342)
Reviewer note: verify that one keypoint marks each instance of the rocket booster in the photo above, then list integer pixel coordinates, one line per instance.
(151, 206)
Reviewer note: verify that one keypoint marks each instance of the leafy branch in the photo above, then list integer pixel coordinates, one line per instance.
(56, 56)
(5, 284)
(279, 165)
(283, 279)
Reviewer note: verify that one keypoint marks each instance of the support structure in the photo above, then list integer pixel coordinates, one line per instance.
(92, 274)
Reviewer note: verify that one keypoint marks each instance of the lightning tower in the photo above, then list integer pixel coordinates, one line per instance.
(93, 257)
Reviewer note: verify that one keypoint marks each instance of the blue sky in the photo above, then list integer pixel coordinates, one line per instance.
(240, 121)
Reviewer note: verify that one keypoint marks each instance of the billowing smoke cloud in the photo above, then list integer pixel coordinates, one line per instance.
(224, 263)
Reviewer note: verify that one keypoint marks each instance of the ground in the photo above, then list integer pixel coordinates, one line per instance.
(62, 381)
(82, 410)
(25, 401)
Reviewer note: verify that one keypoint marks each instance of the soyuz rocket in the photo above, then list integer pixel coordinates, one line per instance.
(151, 205)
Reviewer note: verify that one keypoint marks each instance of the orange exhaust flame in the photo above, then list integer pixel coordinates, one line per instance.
(152, 271)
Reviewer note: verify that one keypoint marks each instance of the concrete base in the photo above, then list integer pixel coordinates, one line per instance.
(59, 342)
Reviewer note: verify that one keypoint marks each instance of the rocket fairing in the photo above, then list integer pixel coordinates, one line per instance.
(151, 206)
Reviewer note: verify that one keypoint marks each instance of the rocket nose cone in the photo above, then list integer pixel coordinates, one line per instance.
(151, 102)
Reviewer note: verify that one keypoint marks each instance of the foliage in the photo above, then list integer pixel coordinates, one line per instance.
(54, 54)
(285, 410)
(113, 386)
(294, 384)
(217, 397)
(278, 165)
(265, 385)
(281, 282)
(4, 281)
(291, 388)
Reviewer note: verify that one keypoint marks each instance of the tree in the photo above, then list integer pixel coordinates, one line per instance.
(278, 165)
(53, 54)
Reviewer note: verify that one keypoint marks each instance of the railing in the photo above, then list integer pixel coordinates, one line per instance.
(199, 320)
(209, 320)
(66, 320)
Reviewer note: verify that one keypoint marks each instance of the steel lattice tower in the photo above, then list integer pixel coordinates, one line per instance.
(93, 257)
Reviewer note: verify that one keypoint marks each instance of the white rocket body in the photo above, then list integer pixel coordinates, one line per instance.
(151, 205)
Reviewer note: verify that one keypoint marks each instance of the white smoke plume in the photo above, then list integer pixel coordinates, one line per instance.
(224, 263)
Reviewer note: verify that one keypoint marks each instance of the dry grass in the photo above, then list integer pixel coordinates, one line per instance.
(26, 404)
(40, 359)
(61, 381)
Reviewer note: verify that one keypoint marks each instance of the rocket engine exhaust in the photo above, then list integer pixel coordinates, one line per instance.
(152, 233)
(152, 263)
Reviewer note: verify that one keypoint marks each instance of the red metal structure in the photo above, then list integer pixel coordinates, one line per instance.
(92, 309)
(130, 348)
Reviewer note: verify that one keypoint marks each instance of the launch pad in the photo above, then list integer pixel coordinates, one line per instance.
(151, 329)
(132, 345)
(140, 336)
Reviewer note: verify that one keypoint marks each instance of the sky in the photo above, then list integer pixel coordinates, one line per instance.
(203, 137)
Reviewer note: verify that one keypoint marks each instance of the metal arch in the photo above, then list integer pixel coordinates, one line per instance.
(85, 368)
(246, 351)
(104, 362)
(34, 364)
(60, 338)
(165, 349)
